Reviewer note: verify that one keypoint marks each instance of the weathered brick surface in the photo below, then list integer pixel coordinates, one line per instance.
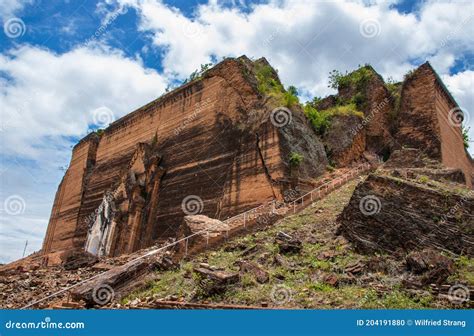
(424, 121)
(393, 215)
(215, 141)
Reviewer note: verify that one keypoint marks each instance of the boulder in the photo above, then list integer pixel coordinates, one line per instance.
(393, 215)
(331, 279)
(78, 259)
(208, 228)
(432, 265)
(260, 274)
(280, 260)
(287, 244)
(214, 281)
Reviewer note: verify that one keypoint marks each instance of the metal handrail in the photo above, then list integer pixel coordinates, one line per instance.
(185, 239)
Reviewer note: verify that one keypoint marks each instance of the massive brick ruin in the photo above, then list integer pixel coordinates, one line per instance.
(218, 139)
(212, 138)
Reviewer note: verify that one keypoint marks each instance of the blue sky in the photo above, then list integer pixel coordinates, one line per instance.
(70, 66)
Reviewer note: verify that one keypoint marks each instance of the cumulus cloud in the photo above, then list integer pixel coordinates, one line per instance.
(46, 96)
(307, 39)
(47, 102)
(9, 8)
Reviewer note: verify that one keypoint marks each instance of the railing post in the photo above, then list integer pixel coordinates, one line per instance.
(207, 238)
(186, 247)
(245, 218)
(294, 206)
(311, 194)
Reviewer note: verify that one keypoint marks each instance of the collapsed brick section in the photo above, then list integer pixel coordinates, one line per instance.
(393, 215)
(211, 138)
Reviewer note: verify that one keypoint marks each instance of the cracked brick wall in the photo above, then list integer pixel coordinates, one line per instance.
(215, 141)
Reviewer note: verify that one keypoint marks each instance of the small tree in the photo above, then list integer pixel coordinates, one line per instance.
(293, 90)
(465, 136)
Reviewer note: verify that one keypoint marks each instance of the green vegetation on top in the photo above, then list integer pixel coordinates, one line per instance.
(358, 78)
(321, 120)
(268, 84)
(395, 90)
(465, 136)
(197, 74)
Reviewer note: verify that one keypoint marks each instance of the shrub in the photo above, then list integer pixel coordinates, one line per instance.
(289, 99)
(409, 74)
(314, 103)
(358, 78)
(197, 74)
(465, 136)
(319, 120)
(267, 84)
(296, 159)
(337, 79)
(292, 90)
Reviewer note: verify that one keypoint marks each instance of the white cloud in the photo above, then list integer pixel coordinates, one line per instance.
(45, 97)
(9, 8)
(461, 86)
(307, 39)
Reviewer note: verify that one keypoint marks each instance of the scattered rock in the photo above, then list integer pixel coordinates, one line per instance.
(214, 282)
(78, 259)
(288, 244)
(431, 265)
(281, 261)
(260, 274)
(331, 279)
(102, 267)
(326, 255)
(250, 251)
(354, 268)
(421, 261)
